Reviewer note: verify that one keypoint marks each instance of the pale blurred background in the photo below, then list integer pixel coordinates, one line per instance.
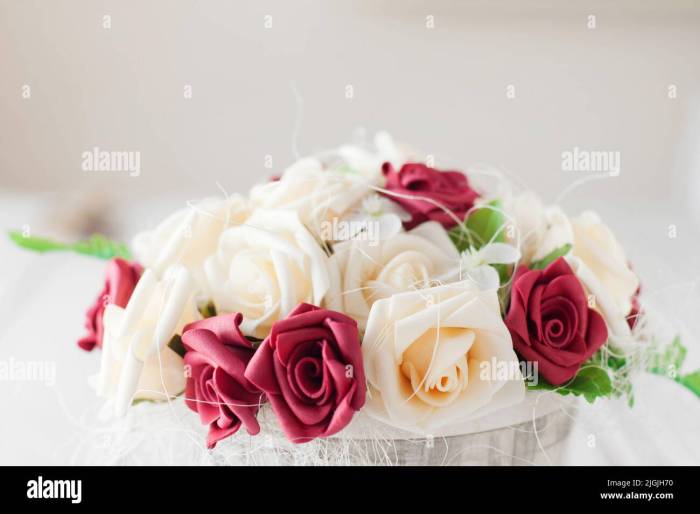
(270, 78)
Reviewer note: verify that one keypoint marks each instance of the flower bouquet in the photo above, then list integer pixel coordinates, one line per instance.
(370, 304)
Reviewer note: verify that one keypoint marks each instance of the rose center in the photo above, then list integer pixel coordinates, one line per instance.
(253, 278)
(436, 366)
(406, 270)
(559, 321)
(308, 374)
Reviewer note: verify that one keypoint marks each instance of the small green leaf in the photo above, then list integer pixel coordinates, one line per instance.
(176, 345)
(670, 361)
(96, 246)
(691, 381)
(591, 382)
(550, 257)
(616, 363)
(482, 226)
(99, 246)
(36, 244)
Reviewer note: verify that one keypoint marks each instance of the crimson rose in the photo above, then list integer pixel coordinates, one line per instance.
(551, 323)
(121, 277)
(416, 182)
(217, 355)
(310, 367)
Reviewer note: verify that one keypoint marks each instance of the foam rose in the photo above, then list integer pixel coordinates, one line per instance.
(187, 237)
(137, 362)
(310, 368)
(217, 355)
(425, 193)
(315, 194)
(596, 246)
(265, 268)
(541, 229)
(121, 277)
(372, 270)
(425, 353)
(551, 322)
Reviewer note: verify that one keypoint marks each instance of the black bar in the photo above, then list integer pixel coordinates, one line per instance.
(537, 488)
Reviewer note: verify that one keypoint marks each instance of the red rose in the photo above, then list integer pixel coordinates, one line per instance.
(121, 277)
(551, 323)
(417, 182)
(217, 355)
(310, 368)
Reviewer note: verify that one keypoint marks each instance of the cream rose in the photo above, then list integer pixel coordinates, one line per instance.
(599, 262)
(541, 229)
(315, 194)
(136, 361)
(372, 270)
(596, 246)
(265, 268)
(188, 236)
(425, 353)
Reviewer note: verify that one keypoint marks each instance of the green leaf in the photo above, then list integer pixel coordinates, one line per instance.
(176, 345)
(550, 257)
(668, 364)
(670, 361)
(99, 246)
(482, 226)
(691, 381)
(96, 246)
(36, 244)
(591, 382)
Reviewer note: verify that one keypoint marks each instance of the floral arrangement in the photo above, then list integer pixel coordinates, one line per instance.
(366, 279)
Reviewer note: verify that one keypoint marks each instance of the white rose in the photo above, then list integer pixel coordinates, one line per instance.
(136, 361)
(188, 236)
(367, 160)
(425, 353)
(266, 267)
(599, 262)
(541, 229)
(313, 193)
(599, 250)
(371, 270)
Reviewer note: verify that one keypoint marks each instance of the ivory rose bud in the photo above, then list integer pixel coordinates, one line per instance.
(315, 194)
(372, 270)
(541, 229)
(188, 236)
(265, 268)
(425, 352)
(598, 249)
(121, 277)
(310, 368)
(137, 362)
(217, 355)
